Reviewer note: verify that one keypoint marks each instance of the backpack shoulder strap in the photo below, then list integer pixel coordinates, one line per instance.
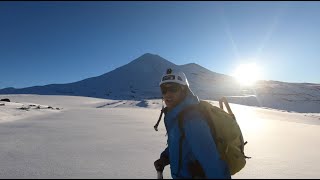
(224, 100)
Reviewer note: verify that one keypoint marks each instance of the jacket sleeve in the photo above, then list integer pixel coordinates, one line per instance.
(202, 144)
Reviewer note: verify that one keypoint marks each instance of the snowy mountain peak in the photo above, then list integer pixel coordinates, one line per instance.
(148, 56)
(140, 79)
(152, 60)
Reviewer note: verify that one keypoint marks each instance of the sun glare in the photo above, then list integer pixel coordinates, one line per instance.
(247, 74)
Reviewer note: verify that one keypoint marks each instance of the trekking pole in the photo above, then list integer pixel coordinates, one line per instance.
(157, 124)
(159, 175)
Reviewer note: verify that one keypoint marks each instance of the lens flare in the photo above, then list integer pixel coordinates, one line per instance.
(247, 74)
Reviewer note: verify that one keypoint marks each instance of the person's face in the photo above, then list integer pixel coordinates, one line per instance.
(172, 94)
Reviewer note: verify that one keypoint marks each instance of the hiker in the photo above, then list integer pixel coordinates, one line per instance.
(198, 157)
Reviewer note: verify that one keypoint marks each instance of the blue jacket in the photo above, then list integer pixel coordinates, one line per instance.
(197, 145)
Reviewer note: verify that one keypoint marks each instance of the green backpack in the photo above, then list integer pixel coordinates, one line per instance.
(225, 131)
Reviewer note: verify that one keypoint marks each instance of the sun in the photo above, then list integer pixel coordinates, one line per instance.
(247, 74)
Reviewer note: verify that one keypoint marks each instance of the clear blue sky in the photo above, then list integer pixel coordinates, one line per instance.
(61, 42)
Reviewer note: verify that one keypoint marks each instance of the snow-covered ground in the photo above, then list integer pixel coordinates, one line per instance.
(81, 137)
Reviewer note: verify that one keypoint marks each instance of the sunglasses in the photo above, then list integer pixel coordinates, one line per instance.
(174, 88)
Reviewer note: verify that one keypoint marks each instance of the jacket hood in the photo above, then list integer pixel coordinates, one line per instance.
(188, 100)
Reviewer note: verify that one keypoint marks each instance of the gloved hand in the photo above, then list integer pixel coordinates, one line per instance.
(161, 163)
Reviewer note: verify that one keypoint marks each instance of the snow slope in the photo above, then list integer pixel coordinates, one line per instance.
(105, 138)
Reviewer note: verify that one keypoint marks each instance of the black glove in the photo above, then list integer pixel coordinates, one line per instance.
(196, 170)
(161, 163)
